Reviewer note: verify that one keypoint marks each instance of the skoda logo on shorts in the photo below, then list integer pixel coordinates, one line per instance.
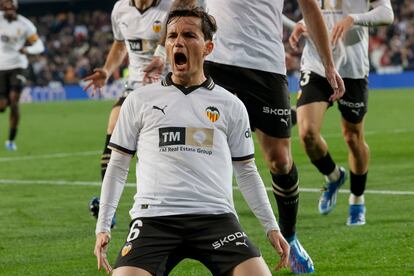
(213, 113)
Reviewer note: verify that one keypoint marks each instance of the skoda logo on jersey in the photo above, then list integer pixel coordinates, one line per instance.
(213, 113)
(156, 27)
(125, 250)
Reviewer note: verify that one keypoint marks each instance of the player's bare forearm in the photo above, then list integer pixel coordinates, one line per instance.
(317, 30)
(115, 57)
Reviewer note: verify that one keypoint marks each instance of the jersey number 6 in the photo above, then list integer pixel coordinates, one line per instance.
(134, 232)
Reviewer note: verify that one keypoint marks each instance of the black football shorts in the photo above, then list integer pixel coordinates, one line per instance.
(353, 105)
(265, 95)
(158, 244)
(11, 80)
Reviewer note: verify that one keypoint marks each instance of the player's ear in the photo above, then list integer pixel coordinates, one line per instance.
(209, 46)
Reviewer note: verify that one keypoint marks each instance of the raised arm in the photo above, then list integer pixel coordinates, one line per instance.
(114, 59)
(35, 46)
(381, 14)
(319, 34)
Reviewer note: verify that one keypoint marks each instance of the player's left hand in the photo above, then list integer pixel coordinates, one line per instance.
(340, 28)
(101, 247)
(336, 83)
(281, 246)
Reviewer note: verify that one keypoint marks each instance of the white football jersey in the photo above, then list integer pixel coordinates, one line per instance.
(249, 34)
(185, 140)
(13, 36)
(351, 54)
(141, 33)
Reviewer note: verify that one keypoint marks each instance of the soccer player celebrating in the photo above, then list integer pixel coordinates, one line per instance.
(16, 31)
(189, 134)
(249, 61)
(347, 21)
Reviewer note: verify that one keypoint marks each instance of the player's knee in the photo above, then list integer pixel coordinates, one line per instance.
(353, 139)
(280, 162)
(308, 135)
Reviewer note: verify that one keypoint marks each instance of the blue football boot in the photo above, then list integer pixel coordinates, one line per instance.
(327, 201)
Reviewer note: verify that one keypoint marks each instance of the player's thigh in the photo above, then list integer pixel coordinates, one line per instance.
(130, 271)
(353, 131)
(310, 117)
(253, 266)
(275, 149)
(354, 104)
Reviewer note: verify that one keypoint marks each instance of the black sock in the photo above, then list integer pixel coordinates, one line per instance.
(106, 155)
(358, 183)
(12, 134)
(325, 165)
(286, 192)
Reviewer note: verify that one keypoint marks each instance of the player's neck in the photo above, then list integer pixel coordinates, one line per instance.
(10, 18)
(143, 5)
(188, 81)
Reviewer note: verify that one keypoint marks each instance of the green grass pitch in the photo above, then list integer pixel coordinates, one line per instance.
(46, 229)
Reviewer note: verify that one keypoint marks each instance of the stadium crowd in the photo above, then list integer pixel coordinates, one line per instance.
(78, 42)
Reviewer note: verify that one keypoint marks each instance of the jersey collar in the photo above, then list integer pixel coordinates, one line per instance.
(154, 4)
(208, 84)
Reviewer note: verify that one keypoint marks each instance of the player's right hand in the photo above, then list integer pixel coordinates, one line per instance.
(154, 70)
(336, 83)
(97, 80)
(101, 248)
(298, 31)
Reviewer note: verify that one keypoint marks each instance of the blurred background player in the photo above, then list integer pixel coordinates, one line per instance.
(249, 61)
(18, 38)
(137, 27)
(347, 21)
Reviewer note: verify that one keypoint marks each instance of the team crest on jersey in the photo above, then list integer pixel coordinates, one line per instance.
(156, 27)
(213, 113)
(125, 250)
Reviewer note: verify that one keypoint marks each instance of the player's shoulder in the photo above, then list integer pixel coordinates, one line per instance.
(121, 6)
(24, 20)
(147, 92)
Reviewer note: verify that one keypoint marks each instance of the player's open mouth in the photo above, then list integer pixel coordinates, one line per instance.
(180, 59)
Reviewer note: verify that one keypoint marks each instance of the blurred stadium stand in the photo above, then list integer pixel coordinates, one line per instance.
(78, 35)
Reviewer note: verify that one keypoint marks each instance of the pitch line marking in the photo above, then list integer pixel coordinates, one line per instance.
(133, 185)
(97, 152)
(49, 156)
